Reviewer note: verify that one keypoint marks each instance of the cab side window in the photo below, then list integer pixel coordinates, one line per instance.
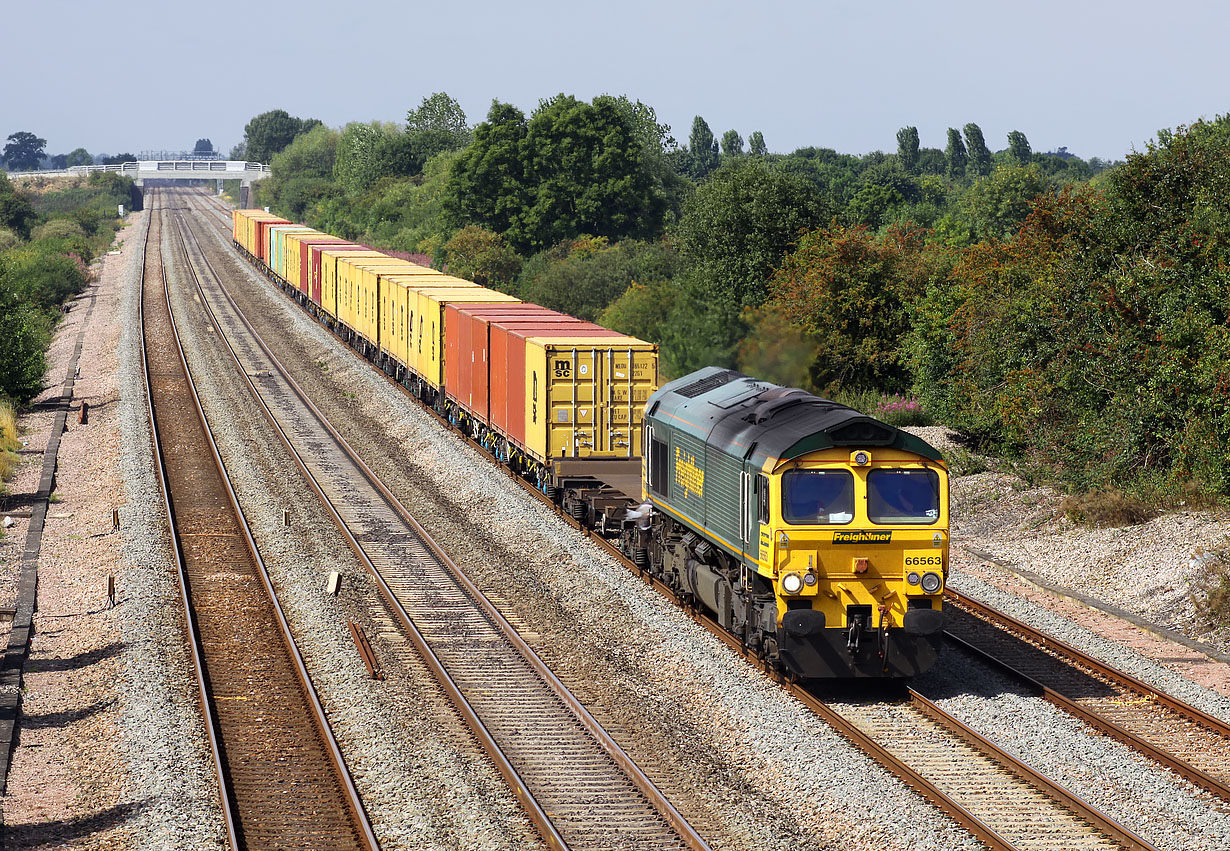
(657, 465)
(762, 488)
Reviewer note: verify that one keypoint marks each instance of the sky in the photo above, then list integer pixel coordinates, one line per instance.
(1097, 78)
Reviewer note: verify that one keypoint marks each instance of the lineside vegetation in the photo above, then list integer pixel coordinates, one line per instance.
(1066, 313)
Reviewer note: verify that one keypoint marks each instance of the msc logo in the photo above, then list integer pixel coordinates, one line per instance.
(862, 537)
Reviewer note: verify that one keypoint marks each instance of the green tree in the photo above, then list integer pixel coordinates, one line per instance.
(488, 185)
(79, 156)
(1018, 147)
(117, 159)
(907, 148)
(703, 149)
(203, 146)
(955, 154)
(756, 146)
(852, 290)
(357, 166)
(303, 173)
(24, 151)
(739, 225)
(996, 206)
(574, 168)
(976, 147)
(270, 132)
(439, 124)
(482, 256)
(732, 144)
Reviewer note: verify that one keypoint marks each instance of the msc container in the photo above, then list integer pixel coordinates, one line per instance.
(428, 305)
(330, 259)
(298, 261)
(509, 371)
(277, 251)
(467, 345)
(316, 274)
(585, 399)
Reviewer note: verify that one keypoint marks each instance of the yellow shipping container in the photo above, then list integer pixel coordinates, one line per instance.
(585, 396)
(427, 305)
(359, 291)
(395, 318)
(330, 261)
(294, 257)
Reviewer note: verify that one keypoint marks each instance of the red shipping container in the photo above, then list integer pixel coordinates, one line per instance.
(467, 345)
(262, 237)
(305, 258)
(508, 366)
(316, 249)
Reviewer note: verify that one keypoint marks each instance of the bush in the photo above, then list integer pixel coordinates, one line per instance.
(26, 333)
(58, 229)
(583, 277)
(8, 239)
(1106, 508)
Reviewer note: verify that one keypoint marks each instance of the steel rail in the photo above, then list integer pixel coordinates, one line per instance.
(1062, 648)
(357, 812)
(212, 726)
(520, 788)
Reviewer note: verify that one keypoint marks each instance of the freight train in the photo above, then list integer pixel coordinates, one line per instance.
(814, 533)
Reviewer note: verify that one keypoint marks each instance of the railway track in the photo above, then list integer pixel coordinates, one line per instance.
(1001, 801)
(1167, 730)
(571, 777)
(283, 783)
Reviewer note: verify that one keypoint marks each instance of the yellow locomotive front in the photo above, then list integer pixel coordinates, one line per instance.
(816, 534)
(856, 544)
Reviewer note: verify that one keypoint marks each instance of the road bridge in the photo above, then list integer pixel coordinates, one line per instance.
(246, 173)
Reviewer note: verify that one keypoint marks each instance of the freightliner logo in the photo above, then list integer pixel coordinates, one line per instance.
(862, 537)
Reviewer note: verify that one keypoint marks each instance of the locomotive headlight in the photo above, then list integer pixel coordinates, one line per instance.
(931, 582)
(913, 578)
(792, 583)
(861, 459)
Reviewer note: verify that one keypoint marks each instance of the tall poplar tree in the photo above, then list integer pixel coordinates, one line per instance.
(703, 148)
(755, 144)
(976, 146)
(1018, 147)
(907, 148)
(732, 143)
(955, 153)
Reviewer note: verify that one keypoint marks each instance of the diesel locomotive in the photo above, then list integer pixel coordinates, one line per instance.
(816, 534)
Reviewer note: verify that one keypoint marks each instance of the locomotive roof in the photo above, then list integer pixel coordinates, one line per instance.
(749, 418)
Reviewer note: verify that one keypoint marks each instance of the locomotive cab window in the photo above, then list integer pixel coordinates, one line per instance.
(762, 490)
(658, 456)
(903, 496)
(818, 497)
